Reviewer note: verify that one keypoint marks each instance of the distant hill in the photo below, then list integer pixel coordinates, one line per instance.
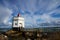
(44, 29)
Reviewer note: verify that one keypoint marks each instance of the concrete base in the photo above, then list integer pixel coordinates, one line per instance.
(16, 28)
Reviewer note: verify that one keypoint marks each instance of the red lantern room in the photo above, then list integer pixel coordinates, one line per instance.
(18, 15)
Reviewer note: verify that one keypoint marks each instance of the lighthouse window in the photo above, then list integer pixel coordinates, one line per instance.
(15, 23)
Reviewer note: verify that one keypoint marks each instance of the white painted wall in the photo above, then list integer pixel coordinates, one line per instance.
(19, 21)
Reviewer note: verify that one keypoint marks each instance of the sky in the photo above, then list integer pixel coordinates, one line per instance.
(37, 13)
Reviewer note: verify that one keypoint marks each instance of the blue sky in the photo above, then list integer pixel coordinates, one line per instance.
(37, 13)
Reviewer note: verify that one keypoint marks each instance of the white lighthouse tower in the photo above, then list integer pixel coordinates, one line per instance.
(18, 22)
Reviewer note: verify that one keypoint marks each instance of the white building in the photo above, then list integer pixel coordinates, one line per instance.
(18, 22)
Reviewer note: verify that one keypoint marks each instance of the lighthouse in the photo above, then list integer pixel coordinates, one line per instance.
(18, 22)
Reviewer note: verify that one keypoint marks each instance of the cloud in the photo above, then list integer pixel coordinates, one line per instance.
(42, 10)
(5, 14)
(34, 11)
